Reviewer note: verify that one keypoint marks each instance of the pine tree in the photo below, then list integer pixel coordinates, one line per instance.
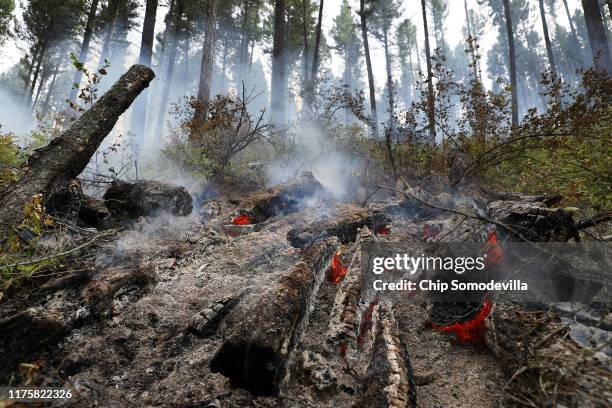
(6, 15)
(597, 35)
(549, 51)
(278, 105)
(364, 14)
(512, 61)
(431, 107)
(406, 43)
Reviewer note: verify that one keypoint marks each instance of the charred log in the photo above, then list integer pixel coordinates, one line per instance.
(94, 213)
(283, 199)
(390, 380)
(263, 330)
(146, 198)
(66, 156)
(343, 224)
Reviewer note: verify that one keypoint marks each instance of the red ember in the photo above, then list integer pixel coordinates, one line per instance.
(494, 251)
(338, 270)
(366, 320)
(430, 232)
(242, 219)
(473, 330)
(384, 231)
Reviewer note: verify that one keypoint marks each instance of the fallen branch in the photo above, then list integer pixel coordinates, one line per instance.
(58, 255)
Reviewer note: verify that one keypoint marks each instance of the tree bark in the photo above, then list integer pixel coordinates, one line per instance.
(139, 117)
(89, 27)
(30, 69)
(431, 107)
(597, 35)
(512, 60)
(366, 49)
(315, 57)
(66, 156)
(549, 50)
(201, 110)
(390, 133)
(41, 55)
(279, 65)
(170, 70)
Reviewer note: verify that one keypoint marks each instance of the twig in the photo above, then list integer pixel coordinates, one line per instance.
(58, 255)
(451, 210)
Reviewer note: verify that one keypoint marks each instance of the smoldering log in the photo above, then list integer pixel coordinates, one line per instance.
(344, 224)
(263, 330)
(389, 381)
(348, 304)
(66, 156)
(284, 198)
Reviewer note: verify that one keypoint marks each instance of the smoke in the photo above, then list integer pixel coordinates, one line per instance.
(317, 152)
(14, 116)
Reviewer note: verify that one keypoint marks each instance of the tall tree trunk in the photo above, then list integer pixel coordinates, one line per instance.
(597, 35)
(469, 30)
(315, 57)
(549, 50)
(89, 27)
(431, 107)
(390, 133)
(279, 66)
(43, 80)
(139, 115)
(186, 62)
(243, 54)
(512, 61)
(30, 70)
(366, 50)
(306, 44)
(576, 43)
(45, 107)
(176, 29)
(114, 5)
(201, 110)
(41, 55)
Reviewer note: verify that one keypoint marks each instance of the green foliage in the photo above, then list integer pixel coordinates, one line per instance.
(10, 159)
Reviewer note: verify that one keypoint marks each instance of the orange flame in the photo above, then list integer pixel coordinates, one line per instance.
(337, 269)
(494, 251)
(242, 219)
(472, 331)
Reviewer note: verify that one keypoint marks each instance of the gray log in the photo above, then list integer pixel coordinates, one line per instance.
(66, 156)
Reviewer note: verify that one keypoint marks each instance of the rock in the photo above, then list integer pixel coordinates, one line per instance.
(145, 198)
(94, 213)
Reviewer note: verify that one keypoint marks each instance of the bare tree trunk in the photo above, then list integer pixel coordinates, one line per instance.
(279, 65)
(201, 110)
(45, 107)
(109, 33)
(390, 133)
(549, 50)
(186, 62)
(30, 69)
(244, 40)
(306, 43)
(170, 70)
(315, 57)
(576, 43)
(41, 55)
(366, 49)
(597, 35)
(512, 60)
(431, 107)
(66, 156)
(139, 117)
(89, 27)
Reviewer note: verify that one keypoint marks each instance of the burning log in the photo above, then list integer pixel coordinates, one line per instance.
(282, 199)
(264, 329)
(344, 223)
(389, 381)
(66, 156)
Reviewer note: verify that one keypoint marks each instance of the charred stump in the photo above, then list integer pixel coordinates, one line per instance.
(66, 156)
(264, 329)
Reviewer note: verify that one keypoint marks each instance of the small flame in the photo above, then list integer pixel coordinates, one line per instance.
(242, 219)
(366, 320)
(472, 331)
(338, 271)
(494, 251)
(384, 231)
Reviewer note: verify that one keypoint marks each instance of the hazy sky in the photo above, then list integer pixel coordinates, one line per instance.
(410, 9)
